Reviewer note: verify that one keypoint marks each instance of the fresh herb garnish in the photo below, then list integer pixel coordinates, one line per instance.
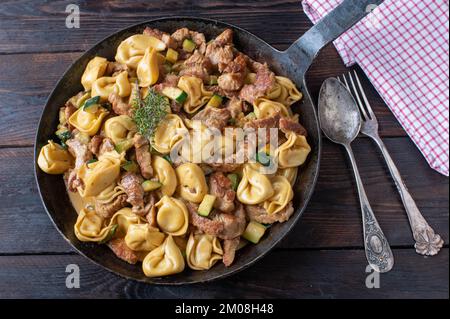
(148, 112)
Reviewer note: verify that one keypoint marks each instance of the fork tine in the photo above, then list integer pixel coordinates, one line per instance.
(355, 93)
(369, 108)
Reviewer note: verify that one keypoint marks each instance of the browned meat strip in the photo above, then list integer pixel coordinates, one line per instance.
(267, 123)
(80, 151)
(226, 37)
(197, 65)
(234, 105)
(260, 215)
(213, 117)
(220, 50)
(229, 250)
(119, 105)
(149, 209)
(225, 167)
(265, 80)
(121, 250)
(73, 181)
(143, 155)
(220, 186)
(206, 225)
(234, 74)
(108, 209)
(132, 185)
(233, 224)
(94, 144)
(107, 146)
(288, 125)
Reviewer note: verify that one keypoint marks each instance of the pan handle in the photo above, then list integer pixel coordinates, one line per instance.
(330, 27)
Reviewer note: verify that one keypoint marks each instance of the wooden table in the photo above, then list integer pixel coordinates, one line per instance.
(323, 257)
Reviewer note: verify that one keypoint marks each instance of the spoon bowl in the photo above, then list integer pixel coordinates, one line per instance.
(339, 116)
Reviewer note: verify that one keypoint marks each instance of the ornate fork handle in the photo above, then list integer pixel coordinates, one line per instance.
(427, 241)
(378, 251)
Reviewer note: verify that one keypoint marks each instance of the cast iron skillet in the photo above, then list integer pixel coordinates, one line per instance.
(293, 63)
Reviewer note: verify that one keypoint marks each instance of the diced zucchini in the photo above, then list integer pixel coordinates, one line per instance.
(263, 158)
(149, 185)
(215, 101)
(63, 134)
(124, 146)
(91, 105)
(234, 178)
(254, 232)
(206, 205)
(131, 167)
(213, 80)
(171, 55)
(175, 94)
(189, 45)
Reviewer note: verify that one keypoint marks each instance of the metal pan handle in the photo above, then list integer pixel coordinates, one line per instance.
(330, 27)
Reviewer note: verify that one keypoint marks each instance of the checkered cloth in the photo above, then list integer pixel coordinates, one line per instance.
(403, 47)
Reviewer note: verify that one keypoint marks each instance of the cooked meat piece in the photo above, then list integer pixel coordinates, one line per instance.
(80, 151)
(267, 123)
(143, 155)
(114, 68)
(233, 224)
(213, 117)
(229, 250)
(226, 37)
(288, 125)
(184, 33)
(238, 65)
(107, 146)
(218, 90)
(106, 210)
(197, 65)
(170, 80)
(219, 55)
(132, 185)
(119, 105)
(150, 210)
(121, 250)
(220, 186)
(264, 81)
(94, 144)
(164, 37)
(234, 105)
(69, 109)
(230, 81)
(225, 167)
(260, 215)
(204, 224)
(73, 181)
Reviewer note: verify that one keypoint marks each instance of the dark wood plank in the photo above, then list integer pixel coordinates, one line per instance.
(332, 219)
(27, 79)
(304, 274)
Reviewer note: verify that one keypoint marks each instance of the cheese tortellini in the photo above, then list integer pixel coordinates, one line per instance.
(88, 122)
(264, 108)
(132, 50)
(164, 260)
(284, 91)
(192, 186)
(90, 227)
(109, 194)
(97, 176)
(53, 159)
(290, 173)
(294, 151)
(254, 187)
(203, 251)
(120, 128)
(148, 68)
(166, 175)
(197, 94)
(282, 195)
(172, 216)
(106, 85)
(143, 237)
(124, 218)
(94, 70)
(167, 134)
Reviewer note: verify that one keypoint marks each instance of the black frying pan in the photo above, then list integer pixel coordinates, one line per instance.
(292, 63)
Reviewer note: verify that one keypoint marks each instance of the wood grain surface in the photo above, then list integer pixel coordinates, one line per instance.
(321, 258)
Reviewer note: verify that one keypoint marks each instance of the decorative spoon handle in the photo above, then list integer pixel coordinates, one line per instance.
(427, 241)
(378, 251)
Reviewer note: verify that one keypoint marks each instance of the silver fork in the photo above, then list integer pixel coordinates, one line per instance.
(426, 241)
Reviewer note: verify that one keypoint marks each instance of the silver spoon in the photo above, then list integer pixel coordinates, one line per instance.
(340, 121)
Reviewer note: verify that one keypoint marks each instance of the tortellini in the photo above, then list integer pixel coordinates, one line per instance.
(254, 187)
(53, 159)
(109, 194)
(124, 218)
(283, 194)
(87, 122)
(264, 108)
(164, 260)
(90, 227)
(192, 186)
(97, 176)
(94, 70)
(203, 251)
(290, 173)
(284, 91)
(148, 68)
(120, 128)
(106, 85)
(172, 216)
(167, 134)
(197, 94)
(166, 175)
(142, 237)
(294, 151)
(132, 50)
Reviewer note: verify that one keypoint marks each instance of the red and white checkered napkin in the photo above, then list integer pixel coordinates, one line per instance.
(403, 47)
